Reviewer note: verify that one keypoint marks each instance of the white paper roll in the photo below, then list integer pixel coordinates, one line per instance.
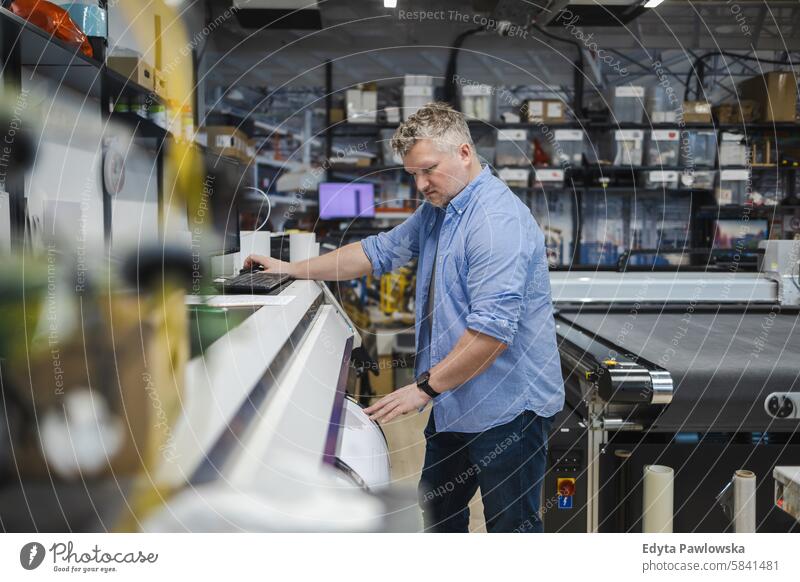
(657, 510)
(302, 246)
(226, 265)
(744, 501)
(255, 242)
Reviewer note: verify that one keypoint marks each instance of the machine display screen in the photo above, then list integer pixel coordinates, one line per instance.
(346, 200)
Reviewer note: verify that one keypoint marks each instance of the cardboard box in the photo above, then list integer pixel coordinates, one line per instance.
(775, 92)
(337, 115)
(228, 141)
(696, 112)
(738, 113)
(160, 83)
(544, 110)
(134, 69)
(252, 148)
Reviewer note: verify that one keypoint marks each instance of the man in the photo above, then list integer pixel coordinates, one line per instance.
(486, 347)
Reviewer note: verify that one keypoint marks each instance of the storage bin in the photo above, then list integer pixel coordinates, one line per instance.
(663, 147)
(628, 144)
(513, 148)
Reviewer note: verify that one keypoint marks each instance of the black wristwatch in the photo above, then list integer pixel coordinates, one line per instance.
(422, 384)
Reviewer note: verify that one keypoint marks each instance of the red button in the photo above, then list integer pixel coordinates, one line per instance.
(566, 486)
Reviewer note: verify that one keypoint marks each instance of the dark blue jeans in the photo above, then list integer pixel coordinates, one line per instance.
(507, 462)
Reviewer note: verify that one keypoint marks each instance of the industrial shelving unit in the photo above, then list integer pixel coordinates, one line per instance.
(600, 177)
(26, 45)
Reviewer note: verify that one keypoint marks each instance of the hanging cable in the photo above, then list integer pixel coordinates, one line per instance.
(698, 68)
(450, 88)
(577, 101)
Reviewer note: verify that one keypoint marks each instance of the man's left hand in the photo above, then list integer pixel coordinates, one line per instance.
(401, 401)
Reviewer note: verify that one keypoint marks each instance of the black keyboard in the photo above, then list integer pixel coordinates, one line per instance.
(254, 283)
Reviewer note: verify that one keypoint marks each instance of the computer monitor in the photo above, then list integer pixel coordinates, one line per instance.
(733, 234)
(218, 209)
(346, 200)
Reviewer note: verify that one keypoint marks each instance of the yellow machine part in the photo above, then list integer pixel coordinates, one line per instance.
(130, 349)
(394, 289)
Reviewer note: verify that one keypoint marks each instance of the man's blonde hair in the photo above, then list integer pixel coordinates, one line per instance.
(438, 122)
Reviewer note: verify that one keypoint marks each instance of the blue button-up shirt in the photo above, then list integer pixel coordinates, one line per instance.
(491, 277)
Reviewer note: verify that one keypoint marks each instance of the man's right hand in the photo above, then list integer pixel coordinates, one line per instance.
(270, 265)
(347, 262)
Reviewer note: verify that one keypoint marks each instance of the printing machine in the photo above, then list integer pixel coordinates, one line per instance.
(694, 370)
(268, 440)
(247, 427)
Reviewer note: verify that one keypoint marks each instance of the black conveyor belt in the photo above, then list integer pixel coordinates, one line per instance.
(723, 364)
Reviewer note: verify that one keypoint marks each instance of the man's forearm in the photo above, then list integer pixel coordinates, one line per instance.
(347, 262)
(472, 355)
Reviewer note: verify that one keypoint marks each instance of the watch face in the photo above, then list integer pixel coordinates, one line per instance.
(424, 377)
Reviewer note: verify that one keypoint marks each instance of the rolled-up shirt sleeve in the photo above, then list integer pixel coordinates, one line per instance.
(391, 250)
(498, 255)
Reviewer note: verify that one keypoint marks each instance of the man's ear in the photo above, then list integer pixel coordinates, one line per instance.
(465, 152)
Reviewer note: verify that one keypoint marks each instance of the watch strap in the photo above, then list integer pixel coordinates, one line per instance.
(422, 384)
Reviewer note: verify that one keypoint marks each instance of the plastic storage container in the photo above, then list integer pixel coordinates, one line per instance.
(90, 17)
(733, 188)
(628, 103)
(657, 179)
(548, 179)
(694, 180)
(392, 114)
(515, 177)
(663, 148)
(603, 233)
(628, 147)
(417, 92)
(362, 106)
(732, 150)
(663, 223)
(568, 147)
(389, 157)
(661, 107)
(513, 148)
(701, 149)
(476, 102)
(554, 214)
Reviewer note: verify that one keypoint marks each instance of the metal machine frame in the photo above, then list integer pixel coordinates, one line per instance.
(615, 394)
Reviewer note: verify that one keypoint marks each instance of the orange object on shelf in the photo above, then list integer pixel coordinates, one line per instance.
(52, 19)
(540, 157)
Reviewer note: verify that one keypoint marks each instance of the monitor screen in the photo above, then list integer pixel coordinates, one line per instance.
(733, 234)
(218, 208)
(346, 200)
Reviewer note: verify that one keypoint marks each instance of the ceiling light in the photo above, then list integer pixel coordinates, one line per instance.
(390, 3)
(652, 3)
